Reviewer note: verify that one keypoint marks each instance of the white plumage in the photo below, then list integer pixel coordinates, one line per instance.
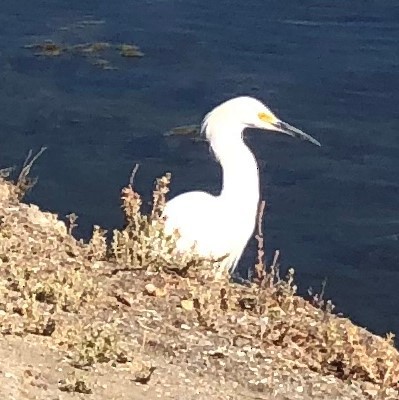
(221, 225)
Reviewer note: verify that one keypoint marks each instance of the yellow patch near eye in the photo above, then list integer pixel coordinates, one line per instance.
(269, 118)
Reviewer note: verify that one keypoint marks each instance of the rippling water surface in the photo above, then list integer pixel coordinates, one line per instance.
(332, 70)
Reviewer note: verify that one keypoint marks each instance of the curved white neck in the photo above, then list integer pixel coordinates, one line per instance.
(240, 171)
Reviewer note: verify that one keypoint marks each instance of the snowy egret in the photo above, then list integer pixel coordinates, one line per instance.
(220, 226)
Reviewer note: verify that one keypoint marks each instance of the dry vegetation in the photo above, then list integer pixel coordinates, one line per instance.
(160, 324)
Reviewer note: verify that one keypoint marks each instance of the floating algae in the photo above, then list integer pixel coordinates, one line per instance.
(103, 64)
(184, 130)
(192, 131)
(89, 50)
(82, 24)
(48, 49)
(129, 50)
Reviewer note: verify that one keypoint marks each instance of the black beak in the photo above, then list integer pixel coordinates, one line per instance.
(283, 127)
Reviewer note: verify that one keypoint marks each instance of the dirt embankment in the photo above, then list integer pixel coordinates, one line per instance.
(134, 320)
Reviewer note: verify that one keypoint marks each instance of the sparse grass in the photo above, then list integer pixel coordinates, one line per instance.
(93, 343)
(23, 183)
(117, 303)
(143, 243)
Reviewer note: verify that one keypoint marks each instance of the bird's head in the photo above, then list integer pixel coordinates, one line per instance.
(247, 112)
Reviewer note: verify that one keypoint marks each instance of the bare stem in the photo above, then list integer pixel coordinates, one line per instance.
(133, 174)
(28, 164)
(260, 265)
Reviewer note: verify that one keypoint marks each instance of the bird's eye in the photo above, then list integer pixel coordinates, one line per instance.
(269, 118)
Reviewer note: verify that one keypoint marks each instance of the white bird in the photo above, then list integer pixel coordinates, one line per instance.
(220, 226)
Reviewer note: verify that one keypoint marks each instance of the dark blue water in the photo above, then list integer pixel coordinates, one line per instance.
(330, 69)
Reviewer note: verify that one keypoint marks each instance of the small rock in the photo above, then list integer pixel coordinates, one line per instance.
(187, 305)
(150, 289)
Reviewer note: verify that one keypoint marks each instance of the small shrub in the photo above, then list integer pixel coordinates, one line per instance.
(93, 343)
